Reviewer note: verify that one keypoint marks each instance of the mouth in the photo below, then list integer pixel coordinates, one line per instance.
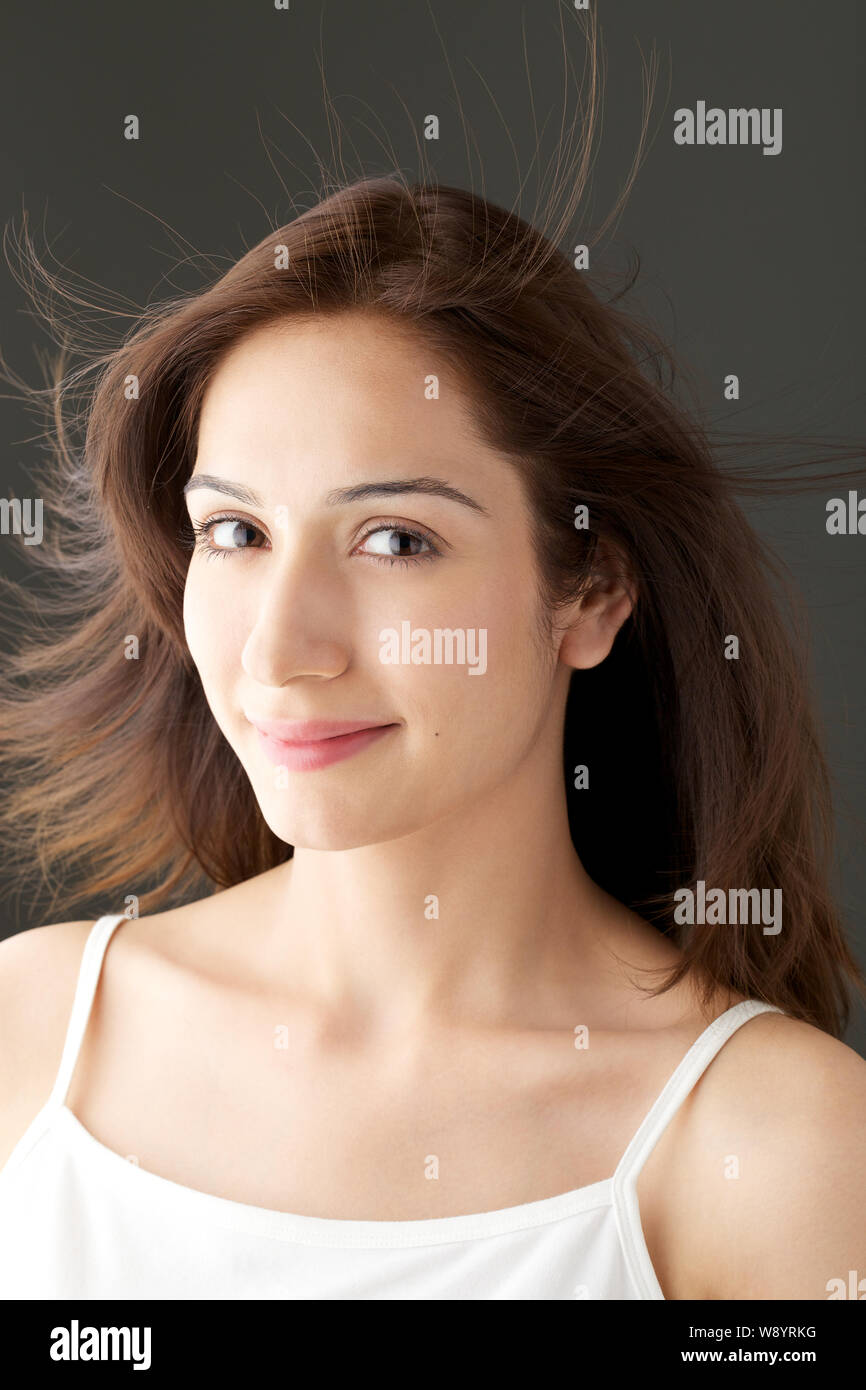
(304, 745)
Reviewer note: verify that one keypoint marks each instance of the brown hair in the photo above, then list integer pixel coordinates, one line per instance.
(701, 767)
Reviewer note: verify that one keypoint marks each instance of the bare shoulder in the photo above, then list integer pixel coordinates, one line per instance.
(198, 942)
(38, 973)
(765, 1188)
(156, 956)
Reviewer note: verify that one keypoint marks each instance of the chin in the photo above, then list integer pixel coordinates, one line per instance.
(328, 831)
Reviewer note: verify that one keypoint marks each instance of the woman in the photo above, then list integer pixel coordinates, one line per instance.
(395, 530)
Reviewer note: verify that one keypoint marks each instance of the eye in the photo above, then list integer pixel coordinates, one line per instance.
(223, 535)
(396, 543)
(392, 543)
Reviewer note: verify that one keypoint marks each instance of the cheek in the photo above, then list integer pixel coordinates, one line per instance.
(212, 629)
(500, 692)
(197, 620)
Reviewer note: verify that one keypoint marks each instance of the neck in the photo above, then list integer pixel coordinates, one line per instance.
(485, 916)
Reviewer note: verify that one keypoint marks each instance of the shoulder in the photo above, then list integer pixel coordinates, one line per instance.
(38, 974)
(767, 1198)
(38, 970)
(152, 959)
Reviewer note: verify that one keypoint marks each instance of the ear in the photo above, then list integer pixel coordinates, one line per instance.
(589, 626)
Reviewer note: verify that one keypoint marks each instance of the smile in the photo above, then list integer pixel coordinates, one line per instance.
(311, 744)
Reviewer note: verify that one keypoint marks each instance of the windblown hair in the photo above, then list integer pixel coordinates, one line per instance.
(701, 768)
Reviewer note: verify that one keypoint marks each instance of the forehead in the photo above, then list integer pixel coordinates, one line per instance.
(349, 387)
(333, 357)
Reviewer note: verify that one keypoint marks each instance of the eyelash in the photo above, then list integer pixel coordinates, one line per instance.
(202, 532)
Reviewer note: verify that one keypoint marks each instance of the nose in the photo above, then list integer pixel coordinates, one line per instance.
(299, 624)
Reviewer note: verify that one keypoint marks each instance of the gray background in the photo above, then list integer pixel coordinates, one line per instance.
(749, 263)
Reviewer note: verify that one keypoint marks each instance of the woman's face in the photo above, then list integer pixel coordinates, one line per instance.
(373, 537)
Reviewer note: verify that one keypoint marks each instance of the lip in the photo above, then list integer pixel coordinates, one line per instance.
(305, 744)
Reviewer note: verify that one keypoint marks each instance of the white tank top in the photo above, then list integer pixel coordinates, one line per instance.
(78, 1220)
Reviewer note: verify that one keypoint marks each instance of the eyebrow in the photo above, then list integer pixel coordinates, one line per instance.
(432, 487)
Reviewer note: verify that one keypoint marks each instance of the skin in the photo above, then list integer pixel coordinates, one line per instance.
(413, 1035)
(473, 769)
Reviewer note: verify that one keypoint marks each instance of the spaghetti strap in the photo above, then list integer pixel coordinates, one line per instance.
(624, 1181)
(88, 975)
(690, 1069)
